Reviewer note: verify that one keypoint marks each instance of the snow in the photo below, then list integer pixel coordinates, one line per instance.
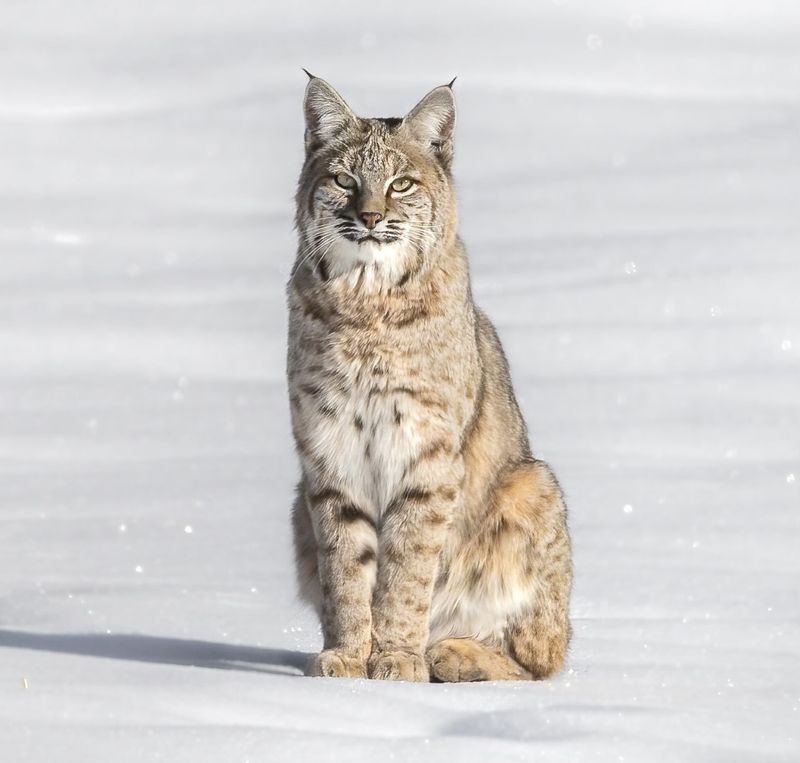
(629, 174)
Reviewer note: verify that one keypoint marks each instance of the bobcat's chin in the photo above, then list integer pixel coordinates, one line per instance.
(369, 238)
(347, 256)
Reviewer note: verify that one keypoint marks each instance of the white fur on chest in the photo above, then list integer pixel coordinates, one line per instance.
(365, 446)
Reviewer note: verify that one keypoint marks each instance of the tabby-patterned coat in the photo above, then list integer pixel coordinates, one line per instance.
(430, 540)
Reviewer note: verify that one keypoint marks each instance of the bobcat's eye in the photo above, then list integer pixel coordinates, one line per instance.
(343, 180)
(401, 184)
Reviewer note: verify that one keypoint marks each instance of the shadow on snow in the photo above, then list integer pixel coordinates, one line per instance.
(157, 649)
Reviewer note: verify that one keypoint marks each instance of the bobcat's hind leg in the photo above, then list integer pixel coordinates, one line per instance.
(538, 636)
(507, 587)
(465, 659)
(305, 555)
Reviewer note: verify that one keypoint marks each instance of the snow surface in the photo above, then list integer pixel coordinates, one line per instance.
(629, 175)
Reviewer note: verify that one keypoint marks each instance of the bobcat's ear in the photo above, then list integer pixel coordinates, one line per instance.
(433, 121)
(326, 112)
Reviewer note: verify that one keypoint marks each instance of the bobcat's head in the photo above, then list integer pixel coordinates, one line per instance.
(375, 194)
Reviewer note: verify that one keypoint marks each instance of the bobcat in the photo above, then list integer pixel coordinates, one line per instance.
(429, 539)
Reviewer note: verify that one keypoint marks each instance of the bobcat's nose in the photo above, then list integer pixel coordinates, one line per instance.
(371, 219)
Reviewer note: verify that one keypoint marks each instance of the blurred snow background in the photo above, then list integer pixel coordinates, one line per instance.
(629, 177)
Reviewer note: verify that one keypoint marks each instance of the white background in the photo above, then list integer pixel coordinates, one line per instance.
(629, 175)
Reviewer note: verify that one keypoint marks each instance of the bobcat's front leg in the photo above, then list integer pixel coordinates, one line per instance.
(413, 530)
(346, 547)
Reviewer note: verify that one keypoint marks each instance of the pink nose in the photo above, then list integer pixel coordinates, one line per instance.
(371, 219)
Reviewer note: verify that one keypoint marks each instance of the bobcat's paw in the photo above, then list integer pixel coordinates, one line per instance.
(398, 666)
(335, 664)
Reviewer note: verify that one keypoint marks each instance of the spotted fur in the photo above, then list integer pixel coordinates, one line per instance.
(430, 540)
